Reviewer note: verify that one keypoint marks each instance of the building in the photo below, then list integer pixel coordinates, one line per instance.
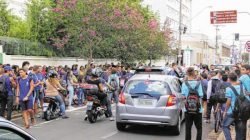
(168, 12)
(197, 49)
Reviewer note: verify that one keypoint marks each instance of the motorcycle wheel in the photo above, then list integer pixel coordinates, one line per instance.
(91, 116)
(47, 115)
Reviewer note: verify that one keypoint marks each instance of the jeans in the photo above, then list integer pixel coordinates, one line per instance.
(227, 121)
(71, 94)
(241, 129)
(9, 102)
(116, 95)
(197, 120)
(61, 104)
(80, 96)
(109, 108)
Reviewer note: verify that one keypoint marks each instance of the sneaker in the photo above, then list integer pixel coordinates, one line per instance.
(111, 118)
(65, 117)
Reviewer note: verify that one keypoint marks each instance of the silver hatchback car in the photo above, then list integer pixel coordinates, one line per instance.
(151, 99)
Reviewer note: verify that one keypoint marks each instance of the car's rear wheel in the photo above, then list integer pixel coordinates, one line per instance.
(120, 126)
(177, 127)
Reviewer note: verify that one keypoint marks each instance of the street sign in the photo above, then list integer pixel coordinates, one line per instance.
(221, 17)
(247, 46)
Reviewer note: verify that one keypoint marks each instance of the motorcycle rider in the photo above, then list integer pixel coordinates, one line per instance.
(52, 87)
(95, 80)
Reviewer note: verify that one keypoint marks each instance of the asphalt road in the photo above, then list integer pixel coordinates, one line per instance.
(75, 128)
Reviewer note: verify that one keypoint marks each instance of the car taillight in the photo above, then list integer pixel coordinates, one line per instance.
(122, 98)
(171, 100)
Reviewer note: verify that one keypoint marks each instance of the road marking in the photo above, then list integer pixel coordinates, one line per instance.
(109, 135)
(78, 108)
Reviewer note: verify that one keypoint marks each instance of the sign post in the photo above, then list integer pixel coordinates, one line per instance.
(221, 17)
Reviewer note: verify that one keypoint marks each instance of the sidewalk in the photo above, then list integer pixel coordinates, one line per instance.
(221, 136)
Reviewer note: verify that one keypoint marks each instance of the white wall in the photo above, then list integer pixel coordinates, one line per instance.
(53, 61)
(56, 61)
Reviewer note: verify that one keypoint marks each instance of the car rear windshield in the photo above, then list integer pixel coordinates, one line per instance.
(150, 87)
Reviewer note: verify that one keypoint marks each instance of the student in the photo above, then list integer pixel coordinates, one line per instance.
(245, 77)
(24, 97)
(193, 116)
(228, 119)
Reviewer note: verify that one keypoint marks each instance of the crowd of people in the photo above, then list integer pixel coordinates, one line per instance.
(27, 86)
(208, 83)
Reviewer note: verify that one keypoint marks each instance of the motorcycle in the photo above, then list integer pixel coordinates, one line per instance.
(94, 108)
(51, 107)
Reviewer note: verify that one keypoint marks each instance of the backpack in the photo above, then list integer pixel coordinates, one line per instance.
(217, 89)
(220, 93)
(193, 100)
(113, 83)
(3, 90)
(241, 108)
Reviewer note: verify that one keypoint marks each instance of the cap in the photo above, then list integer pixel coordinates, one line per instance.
(7, 68)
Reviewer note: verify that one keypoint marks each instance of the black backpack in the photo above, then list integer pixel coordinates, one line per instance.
(3, 90)
(241, 108)
(193, 100)
(218, 92)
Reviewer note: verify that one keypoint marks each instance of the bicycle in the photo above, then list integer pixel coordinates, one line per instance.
(218, 117)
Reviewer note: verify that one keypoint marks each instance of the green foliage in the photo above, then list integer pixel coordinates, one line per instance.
(120, 29)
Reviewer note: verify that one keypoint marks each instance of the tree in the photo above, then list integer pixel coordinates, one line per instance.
(5, 18)
(111, 29)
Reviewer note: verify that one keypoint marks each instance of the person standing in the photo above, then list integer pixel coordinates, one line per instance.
(114, 82)
(211, 89)
(193, 114)
(6, 94)
(24, 97)
(228, 118)
(70, 86)
(245, 77)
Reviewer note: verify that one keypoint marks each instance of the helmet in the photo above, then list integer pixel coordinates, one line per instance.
(52, 74)
(96, 72)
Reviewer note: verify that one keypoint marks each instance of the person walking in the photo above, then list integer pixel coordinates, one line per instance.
(24, 97)
(192, 90)
(228, 117)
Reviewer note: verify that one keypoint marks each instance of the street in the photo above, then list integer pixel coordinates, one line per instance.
(76, 128)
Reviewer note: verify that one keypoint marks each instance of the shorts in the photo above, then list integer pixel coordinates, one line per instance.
(38, 95)
(25, 105)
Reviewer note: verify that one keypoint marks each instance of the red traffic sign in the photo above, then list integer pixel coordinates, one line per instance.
(247, 46)
(221, 17)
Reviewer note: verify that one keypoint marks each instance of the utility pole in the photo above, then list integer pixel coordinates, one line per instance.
(180, 33)
(216, 42)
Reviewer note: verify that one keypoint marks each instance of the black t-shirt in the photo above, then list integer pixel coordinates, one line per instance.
(94, 82)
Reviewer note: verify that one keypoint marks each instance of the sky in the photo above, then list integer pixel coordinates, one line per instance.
(201, 22)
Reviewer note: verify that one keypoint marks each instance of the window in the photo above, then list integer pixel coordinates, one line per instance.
(9, 135)
(151, 87)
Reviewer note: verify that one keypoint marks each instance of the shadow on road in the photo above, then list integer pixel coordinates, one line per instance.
(152, 130)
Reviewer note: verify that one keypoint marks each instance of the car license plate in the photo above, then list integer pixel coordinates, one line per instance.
(145, 102)
(45, 106)
(89, 105)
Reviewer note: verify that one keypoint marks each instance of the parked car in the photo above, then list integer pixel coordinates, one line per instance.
(151, 99)
(10, 131)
